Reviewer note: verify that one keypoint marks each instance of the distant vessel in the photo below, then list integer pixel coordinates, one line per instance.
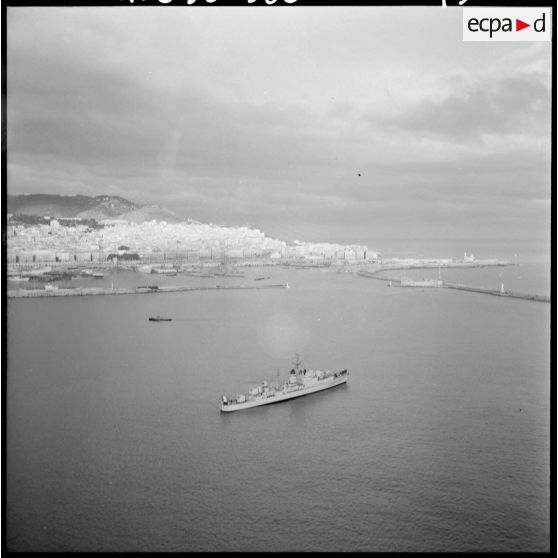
(405, 282)
(197, 274)
(159, 319)
(228, 274)
(164, 270)
(300, 382)
(98, 275)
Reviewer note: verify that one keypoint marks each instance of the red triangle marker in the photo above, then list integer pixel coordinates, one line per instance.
(519, 25)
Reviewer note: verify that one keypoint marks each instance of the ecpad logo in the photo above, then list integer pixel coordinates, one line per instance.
(494, 24)
(507, 24)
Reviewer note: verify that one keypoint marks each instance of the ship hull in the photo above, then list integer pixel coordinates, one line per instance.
(284, 396)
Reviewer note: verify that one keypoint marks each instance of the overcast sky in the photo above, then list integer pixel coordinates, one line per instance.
(359, 124)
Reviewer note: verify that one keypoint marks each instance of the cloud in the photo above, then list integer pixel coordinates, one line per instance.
(305, 118)
(512, 105)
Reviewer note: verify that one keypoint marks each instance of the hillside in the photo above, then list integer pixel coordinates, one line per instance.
(150, 213)
(84, 207)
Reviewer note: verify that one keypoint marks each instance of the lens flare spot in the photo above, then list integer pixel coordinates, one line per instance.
(281, 336)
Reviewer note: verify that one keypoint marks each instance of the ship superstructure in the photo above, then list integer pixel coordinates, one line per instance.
(300, 382)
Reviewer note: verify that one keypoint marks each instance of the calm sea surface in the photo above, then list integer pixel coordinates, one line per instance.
(439, 442)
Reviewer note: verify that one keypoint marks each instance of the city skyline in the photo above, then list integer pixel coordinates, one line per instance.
(312, 123)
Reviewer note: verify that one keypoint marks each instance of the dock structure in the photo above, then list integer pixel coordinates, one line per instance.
(456, 286)
(497, 292)
(33, 293)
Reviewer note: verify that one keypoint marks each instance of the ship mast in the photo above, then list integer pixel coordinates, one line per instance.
(297, 363)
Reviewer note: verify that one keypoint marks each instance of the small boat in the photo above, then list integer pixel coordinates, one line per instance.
(98, 275)
(164, 270)
(159, 319)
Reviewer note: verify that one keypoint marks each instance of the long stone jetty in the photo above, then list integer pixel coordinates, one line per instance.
(148, 289)
(457, 286)
(496, 292)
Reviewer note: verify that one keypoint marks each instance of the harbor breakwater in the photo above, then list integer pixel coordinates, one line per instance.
(32, 293)
(496, 292)
(457, 286)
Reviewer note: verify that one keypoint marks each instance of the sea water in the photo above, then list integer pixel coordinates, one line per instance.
(438, 442)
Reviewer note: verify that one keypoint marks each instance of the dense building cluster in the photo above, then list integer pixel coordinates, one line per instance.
(160, 241)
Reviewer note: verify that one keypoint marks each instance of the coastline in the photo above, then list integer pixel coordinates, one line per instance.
(368, 270)
(84, 291)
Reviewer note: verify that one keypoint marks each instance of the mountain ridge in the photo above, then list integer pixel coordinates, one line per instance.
(86, 207)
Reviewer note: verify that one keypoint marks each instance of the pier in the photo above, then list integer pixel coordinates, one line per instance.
(497, 292)
(154, 289)
(456, 286)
